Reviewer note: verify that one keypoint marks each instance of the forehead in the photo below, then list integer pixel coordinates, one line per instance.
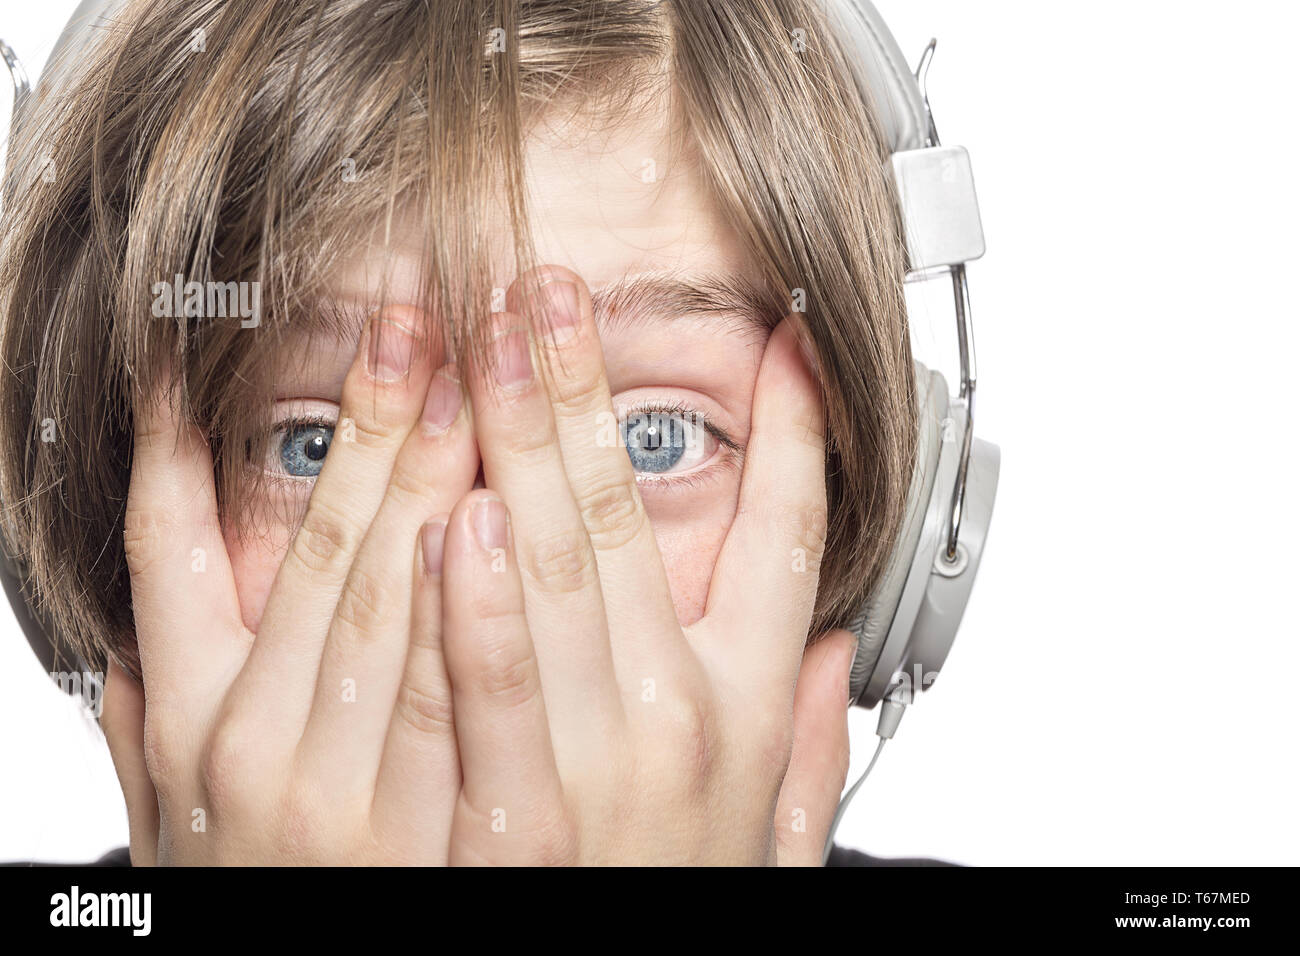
(610, 196)
(622, 201)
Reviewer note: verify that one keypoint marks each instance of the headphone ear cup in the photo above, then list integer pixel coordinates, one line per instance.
(873, 622)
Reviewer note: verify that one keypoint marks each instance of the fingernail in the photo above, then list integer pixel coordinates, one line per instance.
(514, 363)
(562, 310)
(431, 538)
(443, 402)
(391, 349)
(490, 523)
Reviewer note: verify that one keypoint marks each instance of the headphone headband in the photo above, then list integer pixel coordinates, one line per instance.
(880, 67)
(881, 71)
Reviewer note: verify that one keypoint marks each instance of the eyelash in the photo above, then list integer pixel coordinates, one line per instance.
(731, 451)
(305, 421)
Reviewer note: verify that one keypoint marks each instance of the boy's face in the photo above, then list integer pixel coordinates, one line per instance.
(614, 205)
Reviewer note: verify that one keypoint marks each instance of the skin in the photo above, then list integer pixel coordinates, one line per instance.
(573, 664)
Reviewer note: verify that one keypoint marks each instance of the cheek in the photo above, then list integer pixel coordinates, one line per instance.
(255, 562)
(690, 547)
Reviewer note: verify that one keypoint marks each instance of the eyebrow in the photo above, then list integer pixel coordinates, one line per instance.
(653, 297)
(735, 302)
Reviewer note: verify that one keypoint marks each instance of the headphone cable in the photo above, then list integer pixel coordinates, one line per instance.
(891, 712)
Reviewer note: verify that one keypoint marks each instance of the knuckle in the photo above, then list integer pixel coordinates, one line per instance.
(426, 637)
(491, 609)
(803, 524)
(562, 563)
(541, 834)
(800, 422)
(409, 488)
(812, 526)
(613, 514)
(224, 763)
(575, 394)
(531, 440)
(507, 677)
(363, 603)
(151, 536)
(152, 431)
(554, 840)
(690, 737)
(426, 712)
(810, 430)
(370, 429)
(773, 742)
(300, 817)
(324, 541)
(161, 754)
(495, 609)
(142, 536)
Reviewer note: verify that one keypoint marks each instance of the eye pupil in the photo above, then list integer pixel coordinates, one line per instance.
(317, 447)
(303, 450)
(655, 441)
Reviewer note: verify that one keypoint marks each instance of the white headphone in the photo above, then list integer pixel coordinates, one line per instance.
(906, 627)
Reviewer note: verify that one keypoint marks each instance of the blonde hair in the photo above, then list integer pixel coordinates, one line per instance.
(224, 166)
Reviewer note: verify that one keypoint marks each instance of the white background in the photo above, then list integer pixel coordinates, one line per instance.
(1121, 689)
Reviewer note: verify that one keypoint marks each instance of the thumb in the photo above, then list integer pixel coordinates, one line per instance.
(122, 721)
(819, 761)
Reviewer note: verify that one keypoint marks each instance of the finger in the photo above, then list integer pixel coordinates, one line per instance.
(596, 464)
(187, 619)
(383, 396)
(819, 760)
(511, 790)
(122, 721)
(419, 778)
(764, 584)
(369, 639)
(566, 613)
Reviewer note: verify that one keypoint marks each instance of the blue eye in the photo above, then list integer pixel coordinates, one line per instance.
(659, 442)
(655, 441)
(303, 448)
